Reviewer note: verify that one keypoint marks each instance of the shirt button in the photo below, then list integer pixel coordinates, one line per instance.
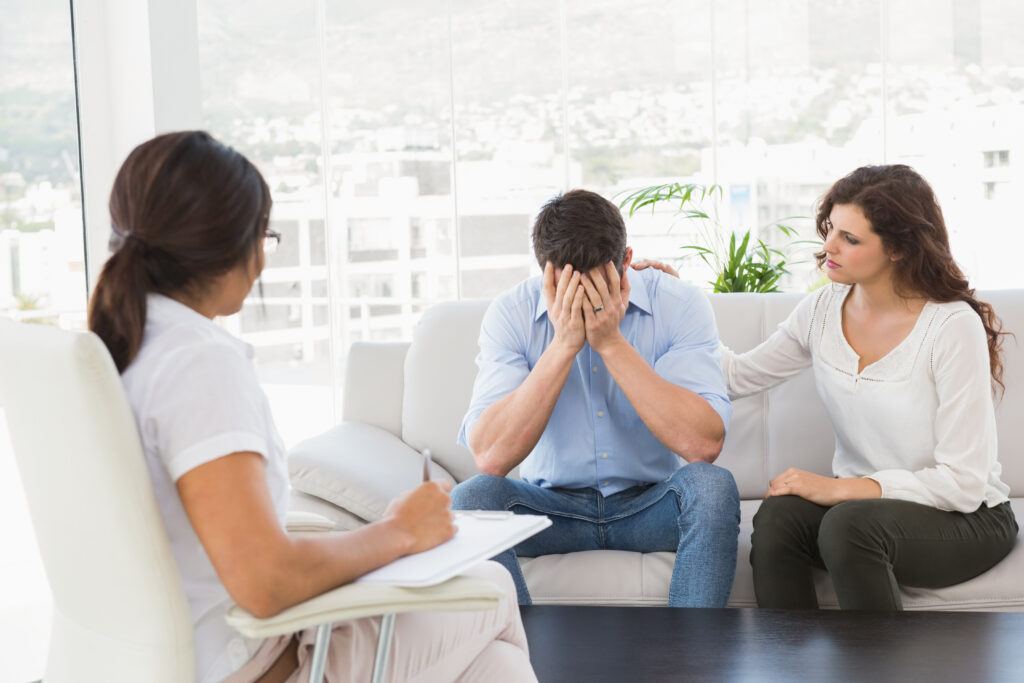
(604, 484)
(594, 368)
(600, 413)
(604, 455)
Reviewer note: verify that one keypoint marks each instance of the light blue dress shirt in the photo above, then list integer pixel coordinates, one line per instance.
(595, 439)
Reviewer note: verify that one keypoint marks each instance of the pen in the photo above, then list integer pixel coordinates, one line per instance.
(426, 465)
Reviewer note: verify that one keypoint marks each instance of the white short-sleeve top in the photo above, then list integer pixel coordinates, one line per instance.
(196, 398)
(920, 421)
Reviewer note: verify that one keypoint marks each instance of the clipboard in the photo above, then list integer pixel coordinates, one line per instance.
(480, 535)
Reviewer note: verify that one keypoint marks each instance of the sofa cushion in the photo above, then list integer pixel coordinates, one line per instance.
(999, 589)
(358, 467)
(599, 577)
(1009, 305)
(374, 381)
(439, 371)
(343, 519)
(784, 427)
(740, 321)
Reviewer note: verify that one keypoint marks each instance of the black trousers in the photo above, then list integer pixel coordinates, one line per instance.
(869, 547)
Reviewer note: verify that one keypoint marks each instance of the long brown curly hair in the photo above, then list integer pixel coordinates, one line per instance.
(904, 213)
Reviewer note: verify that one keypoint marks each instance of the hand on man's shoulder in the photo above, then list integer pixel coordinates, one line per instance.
(659, 283)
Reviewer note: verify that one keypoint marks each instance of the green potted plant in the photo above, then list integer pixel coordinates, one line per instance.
(738, 265)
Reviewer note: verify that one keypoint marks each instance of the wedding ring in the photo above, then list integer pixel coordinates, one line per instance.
(598, 309)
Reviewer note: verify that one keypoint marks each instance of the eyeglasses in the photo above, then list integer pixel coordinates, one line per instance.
(271, 238)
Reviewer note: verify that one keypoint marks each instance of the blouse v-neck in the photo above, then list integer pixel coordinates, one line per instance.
(854, 358)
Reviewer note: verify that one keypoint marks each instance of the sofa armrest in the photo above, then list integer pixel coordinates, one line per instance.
(357, 600)
(359, 468)
(374, 384)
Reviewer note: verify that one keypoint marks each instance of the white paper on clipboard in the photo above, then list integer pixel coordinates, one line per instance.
(480, 536)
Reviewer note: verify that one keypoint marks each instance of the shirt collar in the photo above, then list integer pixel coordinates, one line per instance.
(167, 311)
(638, 295)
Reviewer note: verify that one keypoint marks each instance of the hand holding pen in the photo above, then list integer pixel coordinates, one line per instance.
(428, 463)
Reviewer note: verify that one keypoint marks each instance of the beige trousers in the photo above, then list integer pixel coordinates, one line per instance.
(428, 647)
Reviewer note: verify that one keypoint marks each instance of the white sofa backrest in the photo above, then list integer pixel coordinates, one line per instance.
(1009, 306)
(439, 372)
(374, 384)
(785, 427)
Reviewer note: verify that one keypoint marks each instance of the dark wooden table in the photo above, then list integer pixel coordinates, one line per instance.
(644, 644)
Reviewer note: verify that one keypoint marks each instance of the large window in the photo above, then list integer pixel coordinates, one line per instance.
(42, 273)
(259, 72)
(425, 136)
(42, 262)
(955, 106)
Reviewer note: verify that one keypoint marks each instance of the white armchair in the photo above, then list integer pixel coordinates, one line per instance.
(120, 612)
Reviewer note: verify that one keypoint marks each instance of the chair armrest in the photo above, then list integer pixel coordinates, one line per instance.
(306, 522)
(356, 600)
(358, 467)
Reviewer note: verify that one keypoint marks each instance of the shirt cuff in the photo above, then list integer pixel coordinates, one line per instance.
(215, 447)
(467, 428)
(721, 406)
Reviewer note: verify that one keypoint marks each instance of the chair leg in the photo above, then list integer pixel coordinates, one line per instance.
(323, 642)
(380, 664)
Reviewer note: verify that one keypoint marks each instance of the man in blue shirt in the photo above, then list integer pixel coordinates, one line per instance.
(604, 384)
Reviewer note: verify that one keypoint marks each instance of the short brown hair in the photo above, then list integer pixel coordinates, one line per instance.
(579, 228)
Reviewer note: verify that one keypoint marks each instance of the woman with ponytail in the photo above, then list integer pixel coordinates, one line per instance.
(190, 219)
(907, 363)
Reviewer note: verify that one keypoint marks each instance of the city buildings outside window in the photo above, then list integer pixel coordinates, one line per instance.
(996, 159)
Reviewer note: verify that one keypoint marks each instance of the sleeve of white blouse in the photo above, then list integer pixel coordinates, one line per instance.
(207, 403)
(777, 358)
(965, 424)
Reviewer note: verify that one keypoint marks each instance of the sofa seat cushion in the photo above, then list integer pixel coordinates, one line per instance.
(1000, 589)
(606, 577)
(599, 577)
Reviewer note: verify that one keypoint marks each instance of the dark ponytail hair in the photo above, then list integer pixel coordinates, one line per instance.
(904, 213)
(184, 209)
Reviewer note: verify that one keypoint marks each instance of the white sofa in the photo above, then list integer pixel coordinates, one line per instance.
(400, 398)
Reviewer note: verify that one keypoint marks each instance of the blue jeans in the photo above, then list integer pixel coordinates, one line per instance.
(694, 513)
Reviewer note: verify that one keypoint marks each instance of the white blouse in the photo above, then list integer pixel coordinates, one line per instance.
(920, 421)
(196, 398)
